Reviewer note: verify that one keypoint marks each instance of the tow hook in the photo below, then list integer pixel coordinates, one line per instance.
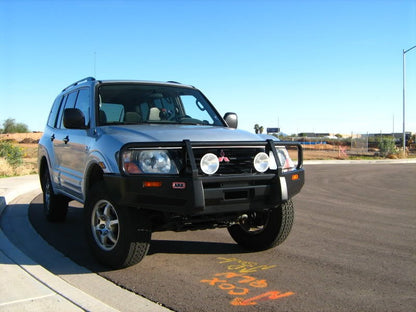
(242, 219)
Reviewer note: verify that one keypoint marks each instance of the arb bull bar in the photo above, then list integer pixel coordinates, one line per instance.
(192, 193)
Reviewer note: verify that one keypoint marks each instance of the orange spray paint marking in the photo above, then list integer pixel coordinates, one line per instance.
(228, 274)
(213, 281)
(271, 295)
(226, 286)
(238, 283)
(245, 279)
(259, 284)
(241, 292)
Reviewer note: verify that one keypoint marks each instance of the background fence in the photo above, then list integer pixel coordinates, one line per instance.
(359, 145)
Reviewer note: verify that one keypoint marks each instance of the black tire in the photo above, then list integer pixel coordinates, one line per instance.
(55, 207)
(264, 230)
(118, 236)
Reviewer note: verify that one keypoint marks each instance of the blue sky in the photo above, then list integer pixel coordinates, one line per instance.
(306, 66)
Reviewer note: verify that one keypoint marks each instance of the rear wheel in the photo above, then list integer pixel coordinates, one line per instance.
(266, 229)
(119, 236)
(55, 207)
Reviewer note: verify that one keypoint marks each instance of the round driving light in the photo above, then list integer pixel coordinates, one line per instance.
(261, 162)
(209, 163)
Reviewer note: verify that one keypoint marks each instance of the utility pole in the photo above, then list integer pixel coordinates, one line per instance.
(404, 98)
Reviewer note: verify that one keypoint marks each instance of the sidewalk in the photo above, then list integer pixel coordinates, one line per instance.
(27, 286)
(10, 188)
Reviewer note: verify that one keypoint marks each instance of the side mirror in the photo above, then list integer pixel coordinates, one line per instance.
(74, 119)
(231, 119)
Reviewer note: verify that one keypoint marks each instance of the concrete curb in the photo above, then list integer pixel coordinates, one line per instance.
(11, 188)
(37, 289)
(46, 290)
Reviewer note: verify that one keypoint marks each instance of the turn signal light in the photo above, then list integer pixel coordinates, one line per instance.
(295, 177)
(131, 167)
(152, 184)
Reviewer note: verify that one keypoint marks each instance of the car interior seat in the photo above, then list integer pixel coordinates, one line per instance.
(103, 117)
(132, 117)
(154, 114)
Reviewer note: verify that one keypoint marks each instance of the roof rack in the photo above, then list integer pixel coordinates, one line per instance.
(171, 81)
(79, 81)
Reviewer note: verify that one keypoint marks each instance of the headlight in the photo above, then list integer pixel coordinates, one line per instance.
(155, 162)
(148, 162)
(209, 163)
(261, 162)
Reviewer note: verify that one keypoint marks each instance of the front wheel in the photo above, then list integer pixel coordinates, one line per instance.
(264, 230)
(119, 237)
(55, 207)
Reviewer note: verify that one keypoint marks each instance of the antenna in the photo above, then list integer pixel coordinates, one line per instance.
(95, 64)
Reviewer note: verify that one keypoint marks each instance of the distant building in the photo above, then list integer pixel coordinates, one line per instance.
(307, 134)
(326, 135)
(323, 135)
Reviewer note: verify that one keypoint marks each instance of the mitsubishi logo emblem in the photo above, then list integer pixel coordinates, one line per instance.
(222, 157)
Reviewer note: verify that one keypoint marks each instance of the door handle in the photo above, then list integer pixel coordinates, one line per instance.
(52, 137)
(66, 139)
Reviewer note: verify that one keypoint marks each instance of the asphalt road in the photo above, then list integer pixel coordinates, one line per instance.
(352, 248)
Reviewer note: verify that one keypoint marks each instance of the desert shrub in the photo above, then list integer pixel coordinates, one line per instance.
(11, 126)
(5, 169)
(387, 146)
(12, 154)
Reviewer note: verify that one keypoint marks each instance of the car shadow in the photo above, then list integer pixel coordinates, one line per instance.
(69, 238)
(192, 247)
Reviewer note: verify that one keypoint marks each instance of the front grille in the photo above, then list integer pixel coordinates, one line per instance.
(232, 160)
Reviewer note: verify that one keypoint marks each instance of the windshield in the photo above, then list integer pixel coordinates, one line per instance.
(138, 103)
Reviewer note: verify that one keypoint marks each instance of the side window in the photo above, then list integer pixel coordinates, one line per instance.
(83, 104)
(111, 113)
(68, 102)
(54, 112)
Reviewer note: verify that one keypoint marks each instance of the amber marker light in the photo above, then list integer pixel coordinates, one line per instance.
(131, 168)
(152, 184)
(295, 177)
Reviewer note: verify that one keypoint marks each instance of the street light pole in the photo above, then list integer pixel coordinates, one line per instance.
(404, 98)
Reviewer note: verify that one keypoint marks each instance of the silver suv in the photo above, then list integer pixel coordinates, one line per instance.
(150, 156)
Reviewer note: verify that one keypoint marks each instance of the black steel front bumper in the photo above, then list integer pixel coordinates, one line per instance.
(191, 193)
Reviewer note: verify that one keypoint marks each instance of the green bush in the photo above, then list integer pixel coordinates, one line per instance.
(387, 146)
(13, 154)
(10, 126)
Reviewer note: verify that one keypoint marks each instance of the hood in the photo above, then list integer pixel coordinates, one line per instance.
(177, 133)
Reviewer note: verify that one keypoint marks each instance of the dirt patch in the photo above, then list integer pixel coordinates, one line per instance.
(30, 140)
(24, 138)
(29, 143)
(320, 152)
